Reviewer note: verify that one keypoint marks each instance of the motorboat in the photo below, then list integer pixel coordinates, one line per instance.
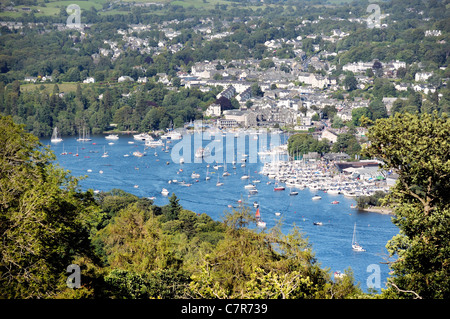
(142, 136)
(316, 197)
(138, 154)
(202, 152)
(195, 175)
(164, 192)
(318, 223)
(279, 188)
(112, 137)
(172, 136)
(153, 143)
(338, 274)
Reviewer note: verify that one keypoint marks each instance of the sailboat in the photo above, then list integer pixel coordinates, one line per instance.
(76, 154)
(64, 151)
(85, 137)
(355, 245)
(55, 138)
(225, 171)
(207, 178)
(245, 176)
(105, 154)
(259, 221)
(219, 183)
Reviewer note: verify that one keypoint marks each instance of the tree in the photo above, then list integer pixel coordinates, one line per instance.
(346, 143)
(377, 109)
(266, 64)
(416, 148)
(172, 210)
(246, 264)
(256, 90)
(299, 144)
(45, 220)
(350, 82)
(378, 68)
(358, 113)
(132, 240)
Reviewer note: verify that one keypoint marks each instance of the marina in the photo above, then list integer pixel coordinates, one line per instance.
(203, 188)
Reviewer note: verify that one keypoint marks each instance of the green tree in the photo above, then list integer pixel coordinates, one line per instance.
(346, 143)
(350, 82)
(256, 90)
(416, 148)
(45, 220)
(358, 113)
(377, 110)
(172, 210)
(245, 264)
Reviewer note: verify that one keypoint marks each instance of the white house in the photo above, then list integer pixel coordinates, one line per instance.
(213, 110)
(314, 80)
(422, 76)
(124, 78)
(433, 33)
(89, 80)
(357, 66)
(329, 135)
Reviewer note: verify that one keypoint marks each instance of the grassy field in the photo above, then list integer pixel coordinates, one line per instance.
(52, 8)
(48, 87)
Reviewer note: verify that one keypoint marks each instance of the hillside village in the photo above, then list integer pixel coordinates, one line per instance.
(289, 93)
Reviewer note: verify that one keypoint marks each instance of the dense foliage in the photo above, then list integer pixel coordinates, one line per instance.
(417, 148)
(96, 107)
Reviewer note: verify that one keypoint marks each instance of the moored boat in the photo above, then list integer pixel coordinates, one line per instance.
(112, 137)
(55, 137)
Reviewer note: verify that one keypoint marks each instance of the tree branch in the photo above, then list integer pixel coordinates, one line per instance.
(406, 291)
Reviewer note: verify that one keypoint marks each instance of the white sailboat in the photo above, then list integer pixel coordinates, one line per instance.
(84, 138)
(355, 245)
(245, 176)
(207, 172)
(55, 138)
(219, 183)
(105, 153)
(225, 171)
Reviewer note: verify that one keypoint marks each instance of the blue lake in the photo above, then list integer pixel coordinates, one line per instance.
(146, 176)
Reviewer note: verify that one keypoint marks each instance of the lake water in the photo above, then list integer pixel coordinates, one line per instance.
(331, 242)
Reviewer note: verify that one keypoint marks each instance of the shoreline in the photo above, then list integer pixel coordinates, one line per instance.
(377, 209)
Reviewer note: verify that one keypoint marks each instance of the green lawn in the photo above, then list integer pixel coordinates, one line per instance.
(63, 87)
